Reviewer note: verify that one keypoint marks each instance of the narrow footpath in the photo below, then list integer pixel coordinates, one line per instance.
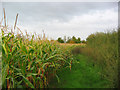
(82, 75)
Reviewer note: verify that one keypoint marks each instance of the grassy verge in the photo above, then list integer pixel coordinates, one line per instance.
(82, 75)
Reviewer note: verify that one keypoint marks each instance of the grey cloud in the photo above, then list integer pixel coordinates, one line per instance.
(47, 11)
(38, 15)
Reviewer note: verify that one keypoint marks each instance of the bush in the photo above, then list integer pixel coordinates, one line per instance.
(103, 47)
(60, 40)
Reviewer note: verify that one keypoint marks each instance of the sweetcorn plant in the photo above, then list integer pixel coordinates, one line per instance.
(30, 62)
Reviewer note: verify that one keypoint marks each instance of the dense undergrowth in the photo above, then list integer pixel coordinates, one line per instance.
(103, 48)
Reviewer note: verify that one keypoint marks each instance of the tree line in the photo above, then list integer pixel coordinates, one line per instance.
(70, 40)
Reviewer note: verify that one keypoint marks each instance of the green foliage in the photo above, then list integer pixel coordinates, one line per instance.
(103, 47)
(70, 40)
(82, 75)
(78, 40)
(83, 41)
(75, 40)
(60, 40)
(28, 63)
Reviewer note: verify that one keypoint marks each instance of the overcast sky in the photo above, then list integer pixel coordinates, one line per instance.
(63, 19)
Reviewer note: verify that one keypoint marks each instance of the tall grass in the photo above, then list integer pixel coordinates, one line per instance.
(30, 61)
(103, 47)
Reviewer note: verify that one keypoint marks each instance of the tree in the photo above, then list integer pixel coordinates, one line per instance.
(74, 38)
(78, 40)
(83, 41)
(68, 39)
(60, 40)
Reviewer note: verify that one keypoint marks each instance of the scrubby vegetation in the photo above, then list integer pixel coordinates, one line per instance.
(103, 48)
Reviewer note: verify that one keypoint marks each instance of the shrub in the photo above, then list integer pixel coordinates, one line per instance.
(60, 40)
(103, 47)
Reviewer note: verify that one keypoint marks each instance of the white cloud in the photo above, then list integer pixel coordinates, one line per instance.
(80, 26)
(54, 18)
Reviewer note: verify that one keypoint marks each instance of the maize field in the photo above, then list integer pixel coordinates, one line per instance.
(30, 61)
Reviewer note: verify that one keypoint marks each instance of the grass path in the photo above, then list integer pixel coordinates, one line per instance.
(82, 75)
